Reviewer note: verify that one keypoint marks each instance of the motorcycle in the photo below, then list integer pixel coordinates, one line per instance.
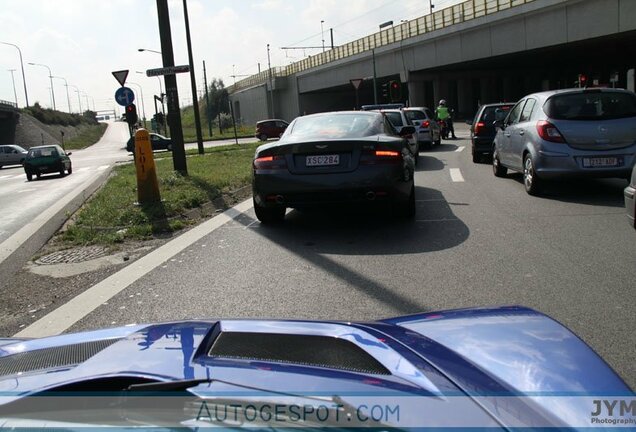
(443, 129)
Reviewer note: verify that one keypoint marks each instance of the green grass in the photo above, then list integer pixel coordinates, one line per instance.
(111, 215)
(190, 133)
(87, 136)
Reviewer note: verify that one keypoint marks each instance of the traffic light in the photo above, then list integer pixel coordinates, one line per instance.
(131, 114)
(385, 90)
(582, 80)
(395, 90)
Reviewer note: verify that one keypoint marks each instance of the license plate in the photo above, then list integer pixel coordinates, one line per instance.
(43, 168)
(322, 160)
(601, 162)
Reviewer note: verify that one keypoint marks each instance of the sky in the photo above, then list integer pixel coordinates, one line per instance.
(83, 41)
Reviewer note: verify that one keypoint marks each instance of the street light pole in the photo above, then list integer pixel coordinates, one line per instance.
(26, 96)
(79, 100)
(14, 92)
(68, 99)
(322, 33)
(143, 105)
(271, 85)
(51, 79)
(193, 83)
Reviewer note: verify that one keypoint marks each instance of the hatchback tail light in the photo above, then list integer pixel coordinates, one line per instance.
(549, 132)
(478, 127)
(270, 162)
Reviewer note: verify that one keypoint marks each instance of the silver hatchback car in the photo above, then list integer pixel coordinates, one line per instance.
(568, 133)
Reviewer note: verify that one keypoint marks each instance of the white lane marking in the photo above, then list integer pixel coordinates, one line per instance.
(5, 176)
(26, 190)
(18, 176)
(456, 175)
(83, 169)
(459, 149)
(102, 168)
(77, 308)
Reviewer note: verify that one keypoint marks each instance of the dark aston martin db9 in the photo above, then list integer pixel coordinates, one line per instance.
(334, 158)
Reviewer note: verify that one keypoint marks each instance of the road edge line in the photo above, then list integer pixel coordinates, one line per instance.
(83, 304)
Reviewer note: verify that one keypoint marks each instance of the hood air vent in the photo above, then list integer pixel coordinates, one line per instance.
(320, 351)
(52, 358)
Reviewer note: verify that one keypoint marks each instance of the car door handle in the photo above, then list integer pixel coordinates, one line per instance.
(521, 132)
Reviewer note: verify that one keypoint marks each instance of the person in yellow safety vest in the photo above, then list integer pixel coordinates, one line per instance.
(444, 113)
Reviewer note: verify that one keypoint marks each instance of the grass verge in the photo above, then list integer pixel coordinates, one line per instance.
(87, 136)
(111, 216)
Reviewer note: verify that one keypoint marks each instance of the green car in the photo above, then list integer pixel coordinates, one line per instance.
(46, 160)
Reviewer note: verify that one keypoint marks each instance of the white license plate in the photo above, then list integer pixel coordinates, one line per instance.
(322, 160)
(600, 162)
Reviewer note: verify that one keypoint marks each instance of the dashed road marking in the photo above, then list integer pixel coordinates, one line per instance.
(102, 167)
(456, 175)
(5, 176)
(83, 169)
(459, 149)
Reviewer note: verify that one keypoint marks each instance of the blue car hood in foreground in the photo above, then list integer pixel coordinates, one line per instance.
(506, 367)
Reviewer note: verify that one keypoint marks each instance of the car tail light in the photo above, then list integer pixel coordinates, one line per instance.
(387, 153)
(270, 162)
(549, 132)
(425, 124)
(478, 127)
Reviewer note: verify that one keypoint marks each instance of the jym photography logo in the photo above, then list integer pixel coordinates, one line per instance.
(614, 411)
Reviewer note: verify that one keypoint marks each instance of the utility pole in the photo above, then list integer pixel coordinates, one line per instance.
(322, 33)
(15, 94)
(271, 85)
(207, 100)
(375, 78)
(174, 115)
(193, 83)
(331, 31)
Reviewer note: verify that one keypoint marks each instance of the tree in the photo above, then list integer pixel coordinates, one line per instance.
(219, 98)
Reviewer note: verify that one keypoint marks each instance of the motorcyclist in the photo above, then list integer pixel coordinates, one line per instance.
(444, 113)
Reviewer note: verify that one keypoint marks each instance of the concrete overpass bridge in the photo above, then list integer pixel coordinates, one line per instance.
(478, 51)
(9, 115)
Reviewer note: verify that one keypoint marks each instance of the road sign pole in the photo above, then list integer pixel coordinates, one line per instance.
(174, 114)
(193, 83)
(207, 100)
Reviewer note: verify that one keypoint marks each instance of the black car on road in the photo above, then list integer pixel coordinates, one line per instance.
(483, 130)
(158, 142)
(347, 157)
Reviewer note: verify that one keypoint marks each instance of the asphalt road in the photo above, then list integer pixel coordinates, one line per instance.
(22, 200)
(477, 240)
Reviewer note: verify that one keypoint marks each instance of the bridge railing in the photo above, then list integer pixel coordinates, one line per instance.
(443, 18)
(12, 104)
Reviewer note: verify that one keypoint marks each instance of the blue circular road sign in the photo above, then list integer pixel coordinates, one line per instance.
(124, 96)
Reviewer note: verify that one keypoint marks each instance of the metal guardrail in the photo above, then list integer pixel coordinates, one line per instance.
(12, 104)
(443, 18)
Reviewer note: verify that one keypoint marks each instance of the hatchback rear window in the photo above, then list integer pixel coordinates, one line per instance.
(42, 152)
(395, 118)
(415, 115)
(591, 106)
(490, 113)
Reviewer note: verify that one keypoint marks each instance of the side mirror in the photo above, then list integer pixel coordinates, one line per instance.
(499, 124)
(407, 130)
(469, 122)
(69, 153)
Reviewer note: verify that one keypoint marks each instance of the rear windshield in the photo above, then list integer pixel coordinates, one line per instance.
(591, 106)
(490, 113)
(335, 126)
(42, 152)
(395, 118)
(415, 115)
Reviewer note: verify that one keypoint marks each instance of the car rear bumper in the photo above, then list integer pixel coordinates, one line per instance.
(483, 144)
(630, 205)
(424, 136)
(554, 162)
(48, 169)
(366, 184)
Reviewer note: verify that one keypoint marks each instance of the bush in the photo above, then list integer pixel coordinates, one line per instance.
(52, 117)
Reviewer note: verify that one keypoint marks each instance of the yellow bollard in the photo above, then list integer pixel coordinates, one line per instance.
(147, 185)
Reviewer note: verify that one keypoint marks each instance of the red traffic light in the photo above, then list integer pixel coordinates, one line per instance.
(394, 85)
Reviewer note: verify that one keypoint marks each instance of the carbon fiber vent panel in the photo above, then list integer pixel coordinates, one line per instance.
(50, 358)
(322, 351)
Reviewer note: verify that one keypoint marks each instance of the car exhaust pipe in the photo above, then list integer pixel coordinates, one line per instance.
(370, 195)
(279, 199)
